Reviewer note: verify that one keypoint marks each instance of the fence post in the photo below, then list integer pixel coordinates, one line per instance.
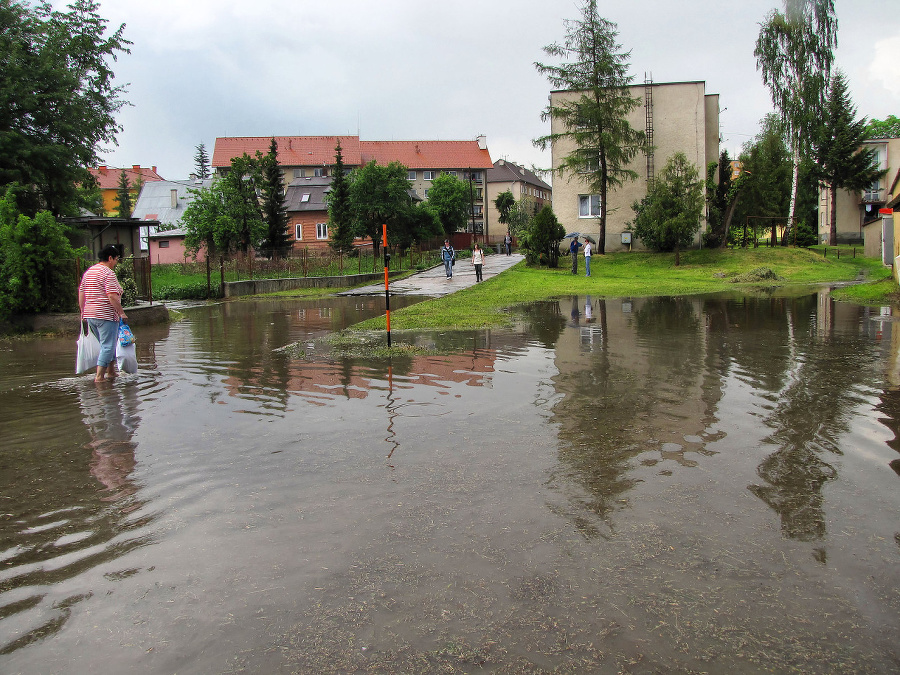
(825, 252)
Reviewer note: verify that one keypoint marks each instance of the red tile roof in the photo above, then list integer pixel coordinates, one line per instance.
(319, 150)
(427, 154)
(292, 150)
(108, 176)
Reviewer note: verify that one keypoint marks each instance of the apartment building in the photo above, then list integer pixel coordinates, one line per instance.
(312, 157)
(677, 117)
(524, 185)
(856, 210)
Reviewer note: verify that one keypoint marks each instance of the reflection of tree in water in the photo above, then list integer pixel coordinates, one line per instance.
(544, 321)
(641, 387)
(811, 412)
(66, 526)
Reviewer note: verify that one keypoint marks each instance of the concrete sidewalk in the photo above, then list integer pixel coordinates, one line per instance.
(433, 282)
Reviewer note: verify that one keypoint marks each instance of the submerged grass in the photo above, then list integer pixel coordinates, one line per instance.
(629, 275)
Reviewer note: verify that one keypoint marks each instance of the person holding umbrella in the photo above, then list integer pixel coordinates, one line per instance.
(573, 252)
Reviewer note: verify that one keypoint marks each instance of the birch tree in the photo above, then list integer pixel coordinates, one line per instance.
(795, 52)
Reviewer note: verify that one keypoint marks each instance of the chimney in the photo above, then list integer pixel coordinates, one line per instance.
(136, 168)
(174, 194)
(102, 169)
(154, 169)
(482, 141)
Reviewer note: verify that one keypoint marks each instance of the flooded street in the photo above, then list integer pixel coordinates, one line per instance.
(653, 485)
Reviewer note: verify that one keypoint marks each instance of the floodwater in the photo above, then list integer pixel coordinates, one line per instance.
(702, 484)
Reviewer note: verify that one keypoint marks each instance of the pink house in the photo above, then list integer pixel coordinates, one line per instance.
(168, 247)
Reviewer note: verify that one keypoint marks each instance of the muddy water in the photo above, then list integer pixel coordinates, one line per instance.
(647, 485)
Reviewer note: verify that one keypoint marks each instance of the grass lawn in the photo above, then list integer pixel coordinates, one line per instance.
(630, 275)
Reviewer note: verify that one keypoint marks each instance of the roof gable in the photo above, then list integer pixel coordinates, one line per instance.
(427, 154)
(292, 150)
(107, 177)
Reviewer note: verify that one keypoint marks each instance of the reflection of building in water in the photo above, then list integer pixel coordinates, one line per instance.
(318, 381)
(635, 384)
(645, 381)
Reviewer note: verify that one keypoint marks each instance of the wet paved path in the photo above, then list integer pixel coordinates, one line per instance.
(434, 282)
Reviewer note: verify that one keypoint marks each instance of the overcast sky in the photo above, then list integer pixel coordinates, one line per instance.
(404, 69)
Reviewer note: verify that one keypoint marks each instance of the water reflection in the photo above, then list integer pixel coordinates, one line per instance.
(642, 386)
(389, 496)
(70, 510)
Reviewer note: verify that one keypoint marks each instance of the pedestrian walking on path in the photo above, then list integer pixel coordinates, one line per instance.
(478, 261)
(448, 255)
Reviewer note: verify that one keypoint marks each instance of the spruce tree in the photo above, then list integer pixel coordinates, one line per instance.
(596, 119)
(340, 215)
(843, 163)
(201, 162)
(123, 196)
(277, 241)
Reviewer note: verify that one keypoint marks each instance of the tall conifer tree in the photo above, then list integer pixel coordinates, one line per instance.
(596, 120)
(842, 162)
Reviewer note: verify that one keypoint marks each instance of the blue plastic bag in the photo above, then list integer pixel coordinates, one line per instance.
(126, 337)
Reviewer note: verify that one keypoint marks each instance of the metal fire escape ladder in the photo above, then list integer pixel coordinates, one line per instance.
(648, 109)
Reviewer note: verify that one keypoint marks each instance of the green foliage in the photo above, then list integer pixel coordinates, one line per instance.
(226, 217)
(201, 162)
(378, 195)
(505, 202)
(720, 196)
(449, 200)
(276, 243)
(123, 197)
(886, 128)
(842, 163)
(125, 275)
(766, 166)
(58, 101)
(596, 118)
(794, 51)
(37, 262)
(340, 215)
(541, 241)
(669, 215)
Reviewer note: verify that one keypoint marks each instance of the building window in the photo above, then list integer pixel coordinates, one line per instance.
(476, 210)
(298, 231)
(298, 173)
(428, 175)
(479, 193)
(451, 173)
(304, 198)
(411, 175)
(164, 244)
(321, 230)
(320, 173)
(476, 176)
(588, 206)
(426, 193)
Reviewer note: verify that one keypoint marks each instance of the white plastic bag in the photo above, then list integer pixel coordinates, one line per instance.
(88, 349)
(126, 358)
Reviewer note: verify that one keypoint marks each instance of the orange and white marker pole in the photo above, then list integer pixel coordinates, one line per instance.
(387, 293)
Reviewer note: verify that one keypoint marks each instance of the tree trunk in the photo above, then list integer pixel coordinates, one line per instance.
(795, 178)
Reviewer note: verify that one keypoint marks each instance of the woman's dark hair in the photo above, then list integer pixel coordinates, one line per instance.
(108, 252)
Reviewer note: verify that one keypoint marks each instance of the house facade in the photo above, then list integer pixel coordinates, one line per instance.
(524, 185)
(677, 117)
(164, 201)
(857, 210)
(304, 159)
(108, 177)
(168, 247)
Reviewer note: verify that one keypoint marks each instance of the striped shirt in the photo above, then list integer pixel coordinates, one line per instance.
(96, 284)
